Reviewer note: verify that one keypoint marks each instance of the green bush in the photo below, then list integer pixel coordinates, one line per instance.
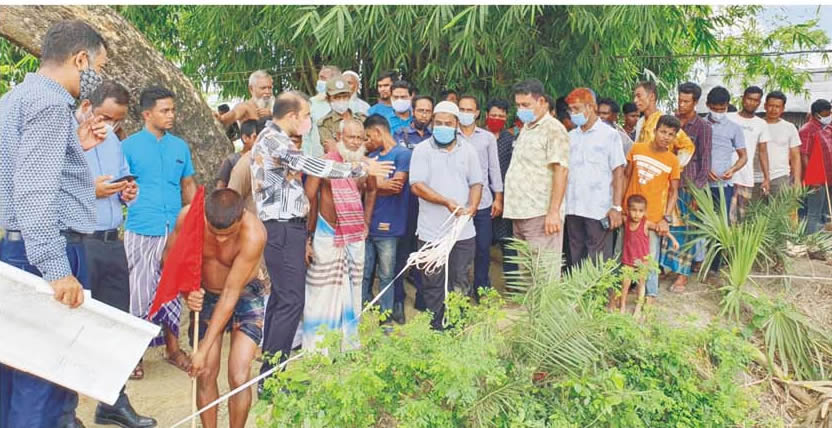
(559, 361)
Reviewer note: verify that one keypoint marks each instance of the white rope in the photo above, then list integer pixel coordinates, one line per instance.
(430, 258)
(816, 278)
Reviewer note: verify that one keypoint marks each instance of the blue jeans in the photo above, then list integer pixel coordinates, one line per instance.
(383, 251)
(482, 256)
(652, 284)
(816, 209)
(27, 401)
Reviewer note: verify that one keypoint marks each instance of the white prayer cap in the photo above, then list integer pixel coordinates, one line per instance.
(447, 107)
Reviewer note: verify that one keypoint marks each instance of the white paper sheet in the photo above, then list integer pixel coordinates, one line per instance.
(91, 349)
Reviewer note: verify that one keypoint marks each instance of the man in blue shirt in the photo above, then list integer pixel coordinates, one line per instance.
(726, 138)
(389, 219)
(409, 137)
(47, 200)
(162, 163)
(402, 97)
(445, 175)
(384, 85)
(106, 260)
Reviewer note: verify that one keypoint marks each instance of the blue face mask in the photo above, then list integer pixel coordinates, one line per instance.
(443, 135)
(578, 119)
(320, 86)
(466, 119)
(525, 114)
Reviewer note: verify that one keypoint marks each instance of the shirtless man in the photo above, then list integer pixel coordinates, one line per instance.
(231, 299)
(335, 247)
(260, 104)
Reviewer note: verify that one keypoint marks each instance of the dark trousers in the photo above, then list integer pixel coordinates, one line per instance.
(482, 256)
(284, 254)
(433, 286)
(27, 401)
(109, 278)
(406, 245)
(587, 239)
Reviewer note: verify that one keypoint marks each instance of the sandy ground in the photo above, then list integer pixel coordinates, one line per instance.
(165, 391)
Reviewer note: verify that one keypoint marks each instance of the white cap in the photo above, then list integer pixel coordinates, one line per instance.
(447, 107)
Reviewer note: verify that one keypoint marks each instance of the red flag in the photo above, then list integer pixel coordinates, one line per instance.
(182, 272)
(815, 169)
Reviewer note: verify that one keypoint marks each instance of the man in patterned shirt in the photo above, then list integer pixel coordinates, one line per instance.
(536, 179)
(282, 205)
(47, 198)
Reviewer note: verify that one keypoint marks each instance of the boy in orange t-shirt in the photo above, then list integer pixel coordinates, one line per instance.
(653, 171)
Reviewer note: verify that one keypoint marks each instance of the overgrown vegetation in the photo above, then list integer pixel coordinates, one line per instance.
(557, 360)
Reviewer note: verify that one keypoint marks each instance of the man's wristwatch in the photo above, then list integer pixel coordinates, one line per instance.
(617, 208)
(668, 219)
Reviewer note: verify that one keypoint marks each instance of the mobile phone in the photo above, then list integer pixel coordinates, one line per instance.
(605, 223)
(125, 178)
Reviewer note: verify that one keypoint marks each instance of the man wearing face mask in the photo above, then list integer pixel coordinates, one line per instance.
(408, 137)
(536, 179)
(402, 95)
(726, 139)
(419, 128)
(338, 95)
(356, 103)
(445, 175)
(596, 181)
(319, 107)
(109, 277)
(261, 88)
(817, 131)
(276, 168)
(47, 198)
(495, 120)
(491, 205)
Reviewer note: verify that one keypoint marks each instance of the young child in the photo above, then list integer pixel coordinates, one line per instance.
(636, 247)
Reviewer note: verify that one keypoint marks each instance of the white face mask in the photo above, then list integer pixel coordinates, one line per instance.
(825, 121)
(339, 106)
(718, 117)
(401, 106)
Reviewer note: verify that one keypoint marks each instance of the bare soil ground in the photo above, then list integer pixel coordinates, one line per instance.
(165, 391)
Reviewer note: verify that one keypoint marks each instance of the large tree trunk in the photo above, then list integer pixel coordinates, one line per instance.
(136, 64)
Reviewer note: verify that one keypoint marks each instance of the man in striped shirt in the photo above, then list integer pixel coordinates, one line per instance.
(276, 168)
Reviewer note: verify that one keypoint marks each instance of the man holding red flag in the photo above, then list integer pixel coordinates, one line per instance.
(816, 157)
(219, 244)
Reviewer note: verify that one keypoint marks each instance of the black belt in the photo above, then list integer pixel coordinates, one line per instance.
(105, 235)
(70, 235)
(292, 220)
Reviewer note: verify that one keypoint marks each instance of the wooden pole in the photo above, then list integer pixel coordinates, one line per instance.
(194, 407)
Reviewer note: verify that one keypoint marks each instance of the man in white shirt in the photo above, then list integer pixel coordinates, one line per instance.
(756, 135)
(783, 148)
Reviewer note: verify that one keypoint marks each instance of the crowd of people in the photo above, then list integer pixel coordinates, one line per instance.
(326, 193)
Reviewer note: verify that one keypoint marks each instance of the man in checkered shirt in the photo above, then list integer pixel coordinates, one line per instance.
(47, 198)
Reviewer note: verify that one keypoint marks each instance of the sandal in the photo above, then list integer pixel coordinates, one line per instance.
(679, 285)
(138, 372)
(180, 360)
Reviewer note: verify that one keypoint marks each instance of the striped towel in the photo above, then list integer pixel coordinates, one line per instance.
(349, 211)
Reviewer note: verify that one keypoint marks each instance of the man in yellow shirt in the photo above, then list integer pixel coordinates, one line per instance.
(645, 97)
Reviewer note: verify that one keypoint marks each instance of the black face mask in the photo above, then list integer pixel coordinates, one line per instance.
(419, 125)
